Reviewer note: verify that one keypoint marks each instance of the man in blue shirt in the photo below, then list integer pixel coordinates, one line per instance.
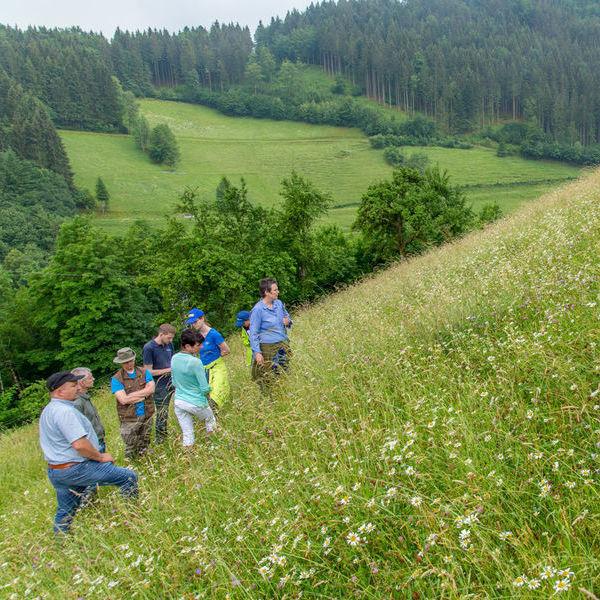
(269, 321)
(157, 355)
(71, 450)
(133, 388)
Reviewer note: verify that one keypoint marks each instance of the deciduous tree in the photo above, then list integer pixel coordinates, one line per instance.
(405, 215)
(163, 148)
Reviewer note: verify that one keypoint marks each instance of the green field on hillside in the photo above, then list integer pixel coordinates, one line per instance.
(338, 160)
(436, 437)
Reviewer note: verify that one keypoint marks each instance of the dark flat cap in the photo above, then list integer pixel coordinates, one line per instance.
(57, 379)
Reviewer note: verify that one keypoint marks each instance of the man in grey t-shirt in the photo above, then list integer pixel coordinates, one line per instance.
(71, 449)
(84, 404)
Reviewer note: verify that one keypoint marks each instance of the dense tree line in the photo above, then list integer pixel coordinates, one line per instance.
(98, 292)
(26, 128)
(73, 72)
(69, 71)
(37, 193)
(36, 183)
(465, 63)
(216, 58)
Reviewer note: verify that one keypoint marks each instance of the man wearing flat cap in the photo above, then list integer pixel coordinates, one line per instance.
(133, 388)
(71, 449)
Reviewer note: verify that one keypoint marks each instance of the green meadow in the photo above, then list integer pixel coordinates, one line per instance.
(338, 160)
(437, 436)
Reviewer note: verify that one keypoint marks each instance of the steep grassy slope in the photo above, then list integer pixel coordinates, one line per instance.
(437, 437)
(337, 159)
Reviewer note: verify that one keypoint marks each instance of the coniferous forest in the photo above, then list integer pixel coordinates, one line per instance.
(520, 72)
(465, 64)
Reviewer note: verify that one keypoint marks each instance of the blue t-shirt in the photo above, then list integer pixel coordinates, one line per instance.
(158, 357)
(61, 424)
(117, 386)
(210, 351)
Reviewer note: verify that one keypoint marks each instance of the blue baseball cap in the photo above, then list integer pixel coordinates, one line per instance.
(194, 315)
(242, 317)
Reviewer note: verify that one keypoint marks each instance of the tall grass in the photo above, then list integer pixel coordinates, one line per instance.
(436, 437)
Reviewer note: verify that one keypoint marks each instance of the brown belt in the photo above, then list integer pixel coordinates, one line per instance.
(63, 465)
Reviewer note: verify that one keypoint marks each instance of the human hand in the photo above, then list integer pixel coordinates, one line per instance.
(106, 457)
(259, 358)
(286, 321)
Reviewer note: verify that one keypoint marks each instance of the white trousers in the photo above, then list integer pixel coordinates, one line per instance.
(185, 413)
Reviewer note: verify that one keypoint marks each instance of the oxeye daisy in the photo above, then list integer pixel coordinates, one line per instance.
(352, 539)
(562, 585)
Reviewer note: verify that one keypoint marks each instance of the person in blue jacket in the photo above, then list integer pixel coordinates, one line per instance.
(212, 350)
(269, 322)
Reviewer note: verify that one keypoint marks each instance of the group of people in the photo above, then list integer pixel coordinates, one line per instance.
(72, 436)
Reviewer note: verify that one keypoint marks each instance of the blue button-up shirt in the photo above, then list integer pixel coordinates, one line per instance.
(266, 324)
(61, 424)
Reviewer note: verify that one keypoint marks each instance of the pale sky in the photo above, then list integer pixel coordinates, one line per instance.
(173, 15)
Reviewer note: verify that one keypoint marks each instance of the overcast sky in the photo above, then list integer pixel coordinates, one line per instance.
(173, 15)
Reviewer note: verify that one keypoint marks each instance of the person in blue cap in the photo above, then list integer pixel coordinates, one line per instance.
(212, 351)
(243, 321)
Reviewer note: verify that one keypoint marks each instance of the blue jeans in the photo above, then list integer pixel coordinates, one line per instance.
(71, 484)
(281, 362)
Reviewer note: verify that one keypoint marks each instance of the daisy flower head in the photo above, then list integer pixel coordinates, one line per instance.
(547, 572)
(564, 573)
(352, 539)
(562, 585)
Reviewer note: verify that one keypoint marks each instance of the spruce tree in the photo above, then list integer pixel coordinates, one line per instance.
(102, 196)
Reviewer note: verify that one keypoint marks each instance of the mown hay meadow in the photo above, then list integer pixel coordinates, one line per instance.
(437, 437)
(338, 160)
